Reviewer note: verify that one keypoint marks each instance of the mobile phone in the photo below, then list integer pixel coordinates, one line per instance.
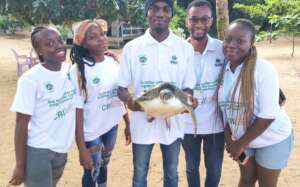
(243, 158)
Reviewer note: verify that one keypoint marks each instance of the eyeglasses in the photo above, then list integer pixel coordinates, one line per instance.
(55, 43)
(204, 20)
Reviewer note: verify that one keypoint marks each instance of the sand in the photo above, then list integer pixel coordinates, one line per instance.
(120, 168)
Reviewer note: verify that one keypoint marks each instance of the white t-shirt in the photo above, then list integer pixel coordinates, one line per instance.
(146, 63)
(266, 105)
(103, 109)
(207, 68)
(49, 97)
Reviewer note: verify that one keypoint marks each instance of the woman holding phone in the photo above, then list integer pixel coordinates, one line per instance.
(256, 125)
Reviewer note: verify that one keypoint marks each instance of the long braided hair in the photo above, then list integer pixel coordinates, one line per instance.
(245, 82)
(81, 56)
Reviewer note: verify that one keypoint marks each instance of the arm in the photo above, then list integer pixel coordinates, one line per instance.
(84, 155)
(267, 86)
(194, 100)
(21, 134)
(227, 136)
(124, 96)
(257, 128)
(127, 128)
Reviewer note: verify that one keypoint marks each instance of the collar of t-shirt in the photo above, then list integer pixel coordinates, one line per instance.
(210, 46)
(149, 40)
(237, 69)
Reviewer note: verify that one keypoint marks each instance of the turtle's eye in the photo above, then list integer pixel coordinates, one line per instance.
(165, 95)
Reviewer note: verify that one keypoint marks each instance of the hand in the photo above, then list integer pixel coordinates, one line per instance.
(228, 143)
(127, 135)
(194, 101)
(85, 159)
(18, 176)
(235, 150)
(132, 105)
(111, 54)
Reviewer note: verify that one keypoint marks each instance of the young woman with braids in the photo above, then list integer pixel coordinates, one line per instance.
(99, 109)
(45, 119)
(255, 123)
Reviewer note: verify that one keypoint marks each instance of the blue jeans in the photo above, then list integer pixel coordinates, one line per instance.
(101, 159)
(213, 148)
(141, 158)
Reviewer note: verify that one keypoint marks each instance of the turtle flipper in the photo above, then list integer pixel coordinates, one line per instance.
(191, 111)
(168, 123)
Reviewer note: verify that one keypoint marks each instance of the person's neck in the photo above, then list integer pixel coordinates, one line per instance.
(99, 57)
(199, 45)
(52, 66)
(234, 65)
(159, 36)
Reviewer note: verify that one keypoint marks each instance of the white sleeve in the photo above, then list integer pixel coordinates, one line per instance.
(190, 75)
(124, 77)
(268, 93)
(25, 98)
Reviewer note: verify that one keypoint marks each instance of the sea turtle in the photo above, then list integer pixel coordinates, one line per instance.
(165, 101)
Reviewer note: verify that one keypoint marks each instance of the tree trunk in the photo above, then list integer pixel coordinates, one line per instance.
(222, 17)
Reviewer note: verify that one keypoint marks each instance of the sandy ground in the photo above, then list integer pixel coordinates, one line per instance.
(120, 168)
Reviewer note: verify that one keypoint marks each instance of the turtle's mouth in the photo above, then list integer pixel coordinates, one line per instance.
(165, 95)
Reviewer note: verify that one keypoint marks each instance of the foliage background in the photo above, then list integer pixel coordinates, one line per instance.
(272, 17)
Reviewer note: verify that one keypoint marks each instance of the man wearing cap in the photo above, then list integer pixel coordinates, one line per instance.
(157, 56)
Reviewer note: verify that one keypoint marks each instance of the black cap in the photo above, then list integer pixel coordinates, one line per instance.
(149, 3)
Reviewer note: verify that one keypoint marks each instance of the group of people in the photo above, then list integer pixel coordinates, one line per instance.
(234, 93)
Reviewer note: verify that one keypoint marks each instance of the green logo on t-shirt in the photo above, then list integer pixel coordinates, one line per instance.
(142, 59)
(174, 60)
(96, 80)
(49, 87)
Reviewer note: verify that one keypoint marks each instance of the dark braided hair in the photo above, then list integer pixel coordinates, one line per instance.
(81, 56)
(33, 37)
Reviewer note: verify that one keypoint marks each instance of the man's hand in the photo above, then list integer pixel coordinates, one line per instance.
(127, 135)
(132, 105)
(18, 176)
(194, 101)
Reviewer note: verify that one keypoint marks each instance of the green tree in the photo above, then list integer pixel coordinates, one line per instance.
(64, 11)
(283, 18)
(135, 12)
(178, 23)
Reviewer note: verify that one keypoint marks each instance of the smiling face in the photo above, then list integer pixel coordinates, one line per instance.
(50, 46)
(199, 21)
(159, 16)
(95, 40)
(237, 43)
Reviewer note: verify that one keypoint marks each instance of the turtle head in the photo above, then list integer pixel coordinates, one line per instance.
(165, 95)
